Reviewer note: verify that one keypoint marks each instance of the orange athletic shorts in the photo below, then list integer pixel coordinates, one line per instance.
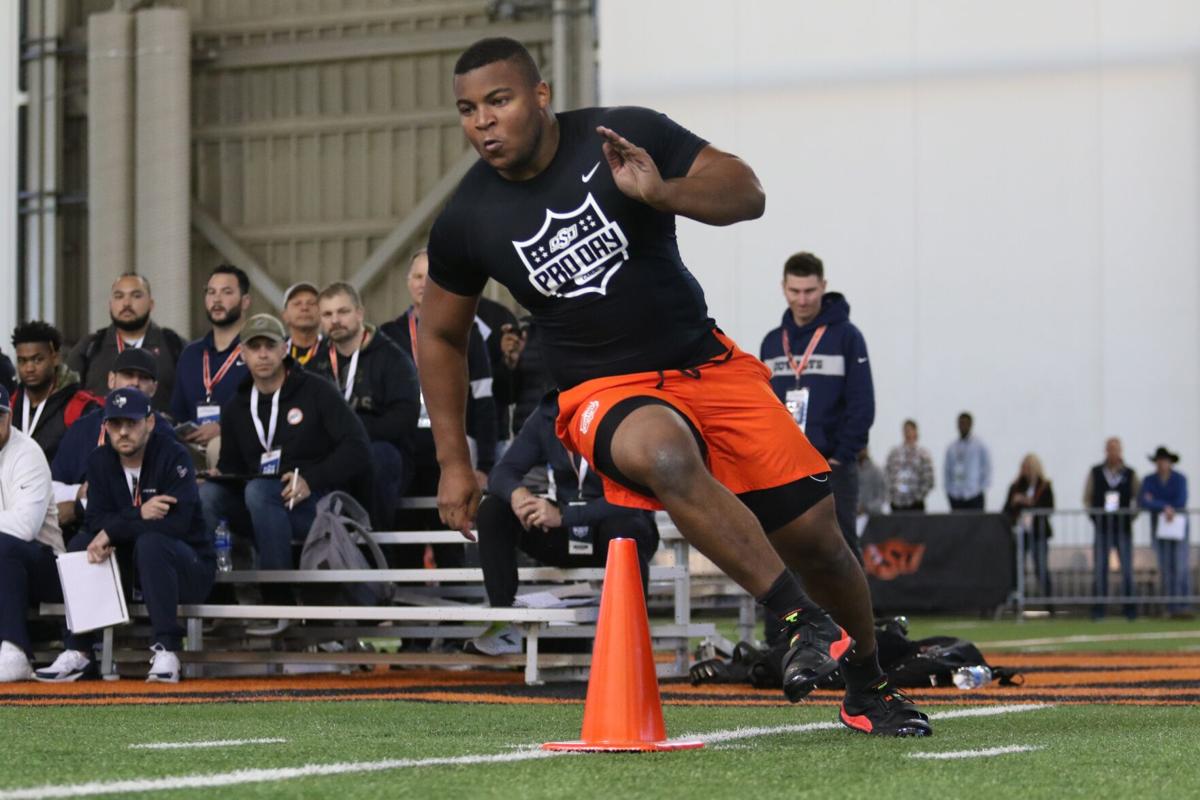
(751, 440)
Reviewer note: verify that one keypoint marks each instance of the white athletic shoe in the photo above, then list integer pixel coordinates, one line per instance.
(502, 639)
(268, 627)
(71, 665)
(14, 666)
(164, 666)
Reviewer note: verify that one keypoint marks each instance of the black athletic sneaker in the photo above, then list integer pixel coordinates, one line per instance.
(814, 650)
(883, 710)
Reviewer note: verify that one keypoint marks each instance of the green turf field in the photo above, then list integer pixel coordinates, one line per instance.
(431, 750)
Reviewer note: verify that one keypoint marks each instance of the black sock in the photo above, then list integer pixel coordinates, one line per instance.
(787, 601)
(862, 672)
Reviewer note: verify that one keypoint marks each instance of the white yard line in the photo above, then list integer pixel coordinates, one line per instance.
(215, 743)
(245, 776)
(1087, 638)
(984, 753)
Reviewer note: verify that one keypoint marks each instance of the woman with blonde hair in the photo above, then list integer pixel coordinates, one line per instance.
(1031, 491)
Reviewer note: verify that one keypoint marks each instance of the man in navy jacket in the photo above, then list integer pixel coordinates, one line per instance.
(820, 370)
(144, 508)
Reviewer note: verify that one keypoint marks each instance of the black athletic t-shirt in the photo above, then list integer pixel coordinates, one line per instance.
(599, 271)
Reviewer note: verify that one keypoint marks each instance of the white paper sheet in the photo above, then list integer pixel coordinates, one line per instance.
(92, 592)
(1174, 530)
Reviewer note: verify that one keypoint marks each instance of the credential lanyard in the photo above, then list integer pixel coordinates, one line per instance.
(210, 380)
(333, 359)
(580, 472)
(412, 336)
(267, 439)
(808, 351)
(26, 426)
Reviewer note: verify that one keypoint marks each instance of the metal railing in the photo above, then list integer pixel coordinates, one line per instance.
(1103, 559)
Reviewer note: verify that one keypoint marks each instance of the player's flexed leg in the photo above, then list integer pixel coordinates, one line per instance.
(574, 213)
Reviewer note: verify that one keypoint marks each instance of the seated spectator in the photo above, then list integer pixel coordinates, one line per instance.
(504, 339)
(134, 367)
(572, 530)
(129, 307)
(872, 489)
(8, 374)
(1028, 492)
(144, 510)
(909, 472)
(287, 438)
(50, 398)
(29, 539)
(211, 368)
(303, 321)
(531, 377)
(1164, 494)
(379, 381)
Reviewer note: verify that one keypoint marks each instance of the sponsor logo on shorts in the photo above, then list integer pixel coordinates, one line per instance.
(574, 252)
(589, 414)
(295, 416)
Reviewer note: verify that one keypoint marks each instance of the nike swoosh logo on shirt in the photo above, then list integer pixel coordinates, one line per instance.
(862, 360)
(587, 177)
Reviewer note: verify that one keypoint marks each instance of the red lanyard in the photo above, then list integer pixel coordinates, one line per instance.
(137, 491)
(412, 335)
(211, 382)
(808, 351)
(333, 356)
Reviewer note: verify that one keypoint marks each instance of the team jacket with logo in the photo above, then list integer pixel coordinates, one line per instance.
(599, 271)
(166, 470)
(841, 403)
(316, 429)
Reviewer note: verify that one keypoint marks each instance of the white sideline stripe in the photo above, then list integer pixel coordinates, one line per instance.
(244, 776)
(1089, 637)
(985, 753)
(215, 743)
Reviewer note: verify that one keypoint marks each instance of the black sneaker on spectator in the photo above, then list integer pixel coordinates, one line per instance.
(268, 627)
(14, 666)
(164, 666)
(501, 639)
(71, 665)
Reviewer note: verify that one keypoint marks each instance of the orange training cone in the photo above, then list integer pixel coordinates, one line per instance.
(623, 710)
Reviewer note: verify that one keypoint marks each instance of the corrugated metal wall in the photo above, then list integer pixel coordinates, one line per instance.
(319, 125)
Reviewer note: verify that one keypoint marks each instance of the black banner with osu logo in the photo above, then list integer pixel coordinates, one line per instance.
(938, 562)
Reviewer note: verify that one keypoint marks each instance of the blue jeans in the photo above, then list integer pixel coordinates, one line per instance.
(27, 576)
(259, 511)
(1113, 532)
(1037, 547)
(1173, 570)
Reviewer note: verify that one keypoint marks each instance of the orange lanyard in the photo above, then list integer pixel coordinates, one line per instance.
(333, 359)
(808, 351)
(210, 382)
(412, 335)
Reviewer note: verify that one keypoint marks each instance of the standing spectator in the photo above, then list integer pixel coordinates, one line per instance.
(8, 374)
(481, 409)
(143, 509)
(872, 488)
(211, 368)
(1110, 494)
(909, 472)
(294, 430)
(1028, 493)
(820, 371)
(968, 469)
(29, 539)
(379, 382)
(1164, 494)
(50, 398)
(572, 529)
(303, 321)
(129, 306)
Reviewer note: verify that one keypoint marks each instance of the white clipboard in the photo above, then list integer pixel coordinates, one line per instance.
(1174, 530)
(91, 592)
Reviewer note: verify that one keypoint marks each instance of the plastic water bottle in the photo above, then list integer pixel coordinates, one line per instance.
(224, 547)
(972, 677)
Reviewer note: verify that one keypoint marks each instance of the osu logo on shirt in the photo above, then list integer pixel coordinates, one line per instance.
(574, 252)
(892, 558)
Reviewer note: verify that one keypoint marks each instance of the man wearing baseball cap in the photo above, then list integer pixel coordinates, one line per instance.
(300, 315)
(133, 366)
(296, 438)
(29, 538)
(144, 508)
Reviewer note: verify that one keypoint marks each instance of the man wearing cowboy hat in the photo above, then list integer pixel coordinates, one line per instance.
(1164, 495)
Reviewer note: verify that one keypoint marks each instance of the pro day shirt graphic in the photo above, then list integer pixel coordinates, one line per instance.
(599, 271)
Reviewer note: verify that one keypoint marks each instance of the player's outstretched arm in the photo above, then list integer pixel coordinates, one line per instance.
(442, 339)
(719, 189)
